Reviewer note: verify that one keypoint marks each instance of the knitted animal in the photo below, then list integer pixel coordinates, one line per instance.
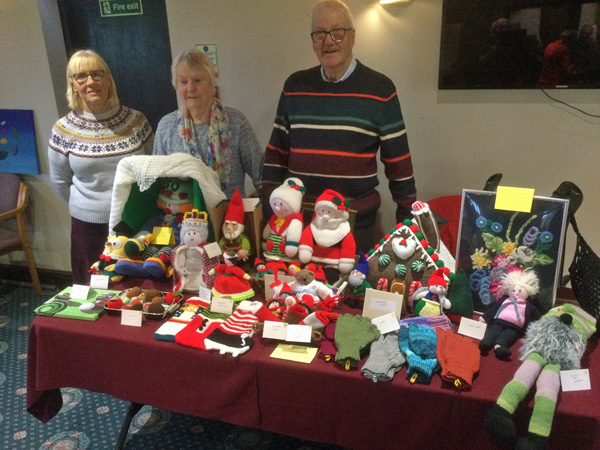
(432, 300)
(308, 290)
(508, 318)
(555, 342)
(281, 235)
(328, 239)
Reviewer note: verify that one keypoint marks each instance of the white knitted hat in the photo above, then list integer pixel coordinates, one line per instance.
(291, 191)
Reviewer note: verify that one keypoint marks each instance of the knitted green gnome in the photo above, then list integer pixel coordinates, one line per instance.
(556, 342)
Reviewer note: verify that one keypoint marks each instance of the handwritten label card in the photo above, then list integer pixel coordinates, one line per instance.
(275, 330)
(472, 328)
(575, 380)
(514, 199)
(80, 292)
(298, 333)
(99, 281)
(221, 305)
(386, 323)
(131, 317)
(213, 250)
(205, 293)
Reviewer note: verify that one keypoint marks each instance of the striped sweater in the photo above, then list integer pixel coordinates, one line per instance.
(328, 135)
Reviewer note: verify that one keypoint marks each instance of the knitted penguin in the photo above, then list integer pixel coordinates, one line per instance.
(555, 342)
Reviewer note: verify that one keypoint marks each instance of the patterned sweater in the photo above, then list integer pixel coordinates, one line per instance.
(84, 151)
(328, 135)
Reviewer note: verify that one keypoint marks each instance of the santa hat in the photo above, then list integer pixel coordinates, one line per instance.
(320, 275)
(334, 200)
(312, 267)
(235, 211)
(291, 191)
(437, 278)
(363, 265)
(286, 289)
(258, 262)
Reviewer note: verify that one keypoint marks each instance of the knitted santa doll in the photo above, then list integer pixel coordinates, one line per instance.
(234, 238)
(281, 235)
(328, 239)
(231, 281)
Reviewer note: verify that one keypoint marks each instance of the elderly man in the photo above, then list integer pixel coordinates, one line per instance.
(331, 121)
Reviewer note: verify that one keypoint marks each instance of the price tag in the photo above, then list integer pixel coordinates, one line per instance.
(275, 330)
(221, 305)
(80, 292)
(298, 333)
(386, 323)
(472, 328)
(213, 250)
(99, 281)
(131, 317)
(575, 380)
(205, 293)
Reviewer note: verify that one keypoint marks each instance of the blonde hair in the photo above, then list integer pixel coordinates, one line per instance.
(527, 279)
(194, 59)
(88, 60)
(332, 5)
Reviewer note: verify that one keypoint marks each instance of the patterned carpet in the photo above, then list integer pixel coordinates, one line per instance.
(92, 421)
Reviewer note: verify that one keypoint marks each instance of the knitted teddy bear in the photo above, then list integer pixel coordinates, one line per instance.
(281, 235)
(555, 342)
(508, 318)
(308, 290)
(432, 300)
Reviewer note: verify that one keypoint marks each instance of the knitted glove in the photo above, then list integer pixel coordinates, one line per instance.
(353, 334)
(420, 370)
(385, 358)
(422, 341)
(419, 345)
(458, 357)
(327, 350)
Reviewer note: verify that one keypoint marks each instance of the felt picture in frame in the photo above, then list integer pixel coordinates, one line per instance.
(493, 241)
(18, 144)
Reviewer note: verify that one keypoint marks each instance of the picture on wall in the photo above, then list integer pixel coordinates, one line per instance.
(18, 145)
(493, 242)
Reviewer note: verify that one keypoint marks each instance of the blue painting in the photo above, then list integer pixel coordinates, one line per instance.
(18, 145)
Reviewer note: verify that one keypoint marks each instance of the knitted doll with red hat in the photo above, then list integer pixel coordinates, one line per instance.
(281, 235)
(231, 281)
(432, 300)
(234, 238)
(328, 239)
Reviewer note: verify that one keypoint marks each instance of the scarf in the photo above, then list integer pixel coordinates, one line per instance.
(218, 152)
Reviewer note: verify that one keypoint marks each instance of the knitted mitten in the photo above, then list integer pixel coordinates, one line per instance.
(385, 358)
(422, 341)
(458, 357)
(353, 334)
(327, 350)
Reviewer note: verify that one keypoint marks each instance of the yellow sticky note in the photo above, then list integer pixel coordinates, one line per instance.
(514, 199)
(163, 236)
(297, 353)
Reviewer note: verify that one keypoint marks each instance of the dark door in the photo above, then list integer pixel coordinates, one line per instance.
(136, 48)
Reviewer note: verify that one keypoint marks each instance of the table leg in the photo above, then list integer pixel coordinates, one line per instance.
(134, 408)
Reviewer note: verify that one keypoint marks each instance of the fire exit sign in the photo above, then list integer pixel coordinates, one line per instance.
(115, 8)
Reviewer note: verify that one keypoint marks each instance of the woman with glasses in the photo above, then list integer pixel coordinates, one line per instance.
(85, 147)
(203, 127)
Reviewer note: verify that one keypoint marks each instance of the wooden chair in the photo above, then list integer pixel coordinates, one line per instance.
(13, 201)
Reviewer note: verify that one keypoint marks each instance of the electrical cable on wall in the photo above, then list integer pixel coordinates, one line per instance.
(566, 104)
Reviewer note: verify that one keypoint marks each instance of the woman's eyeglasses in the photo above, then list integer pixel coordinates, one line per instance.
(82, 77)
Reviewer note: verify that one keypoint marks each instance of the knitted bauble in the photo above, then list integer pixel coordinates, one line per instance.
(334, 200)
(291, 191)
(235, 210)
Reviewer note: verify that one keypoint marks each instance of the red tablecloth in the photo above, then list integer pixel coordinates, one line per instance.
(318, 401)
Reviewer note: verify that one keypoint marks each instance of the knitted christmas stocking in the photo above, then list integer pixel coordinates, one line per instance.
(547, 388)
(235, 334)
(499, 419)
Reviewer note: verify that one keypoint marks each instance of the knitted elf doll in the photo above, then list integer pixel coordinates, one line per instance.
(281, 235)
(432, 300)
(234, 238)
(508, 318)
(555, 342)
(357, 283)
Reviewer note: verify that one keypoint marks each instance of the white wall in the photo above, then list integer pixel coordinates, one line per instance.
(457, 138)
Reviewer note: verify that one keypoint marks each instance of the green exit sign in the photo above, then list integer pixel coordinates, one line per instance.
(115, 8)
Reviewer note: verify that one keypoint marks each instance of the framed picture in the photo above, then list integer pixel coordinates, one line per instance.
(18, 145)
(493, 242)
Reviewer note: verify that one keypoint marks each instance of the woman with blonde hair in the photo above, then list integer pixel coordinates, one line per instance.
(84, 149)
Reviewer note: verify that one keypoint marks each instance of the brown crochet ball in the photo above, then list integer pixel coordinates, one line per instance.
(155, 308)
(133, 292)
(159, 300)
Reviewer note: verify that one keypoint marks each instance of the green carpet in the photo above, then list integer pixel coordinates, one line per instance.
(93, 421)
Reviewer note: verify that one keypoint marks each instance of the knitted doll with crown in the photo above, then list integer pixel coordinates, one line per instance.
(555, 342)
(509, 317)
(432, 300)
(328, 239)
(234, 238)
(189, 256)
(281, 235)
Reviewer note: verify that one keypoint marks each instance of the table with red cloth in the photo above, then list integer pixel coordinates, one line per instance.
(319, 401)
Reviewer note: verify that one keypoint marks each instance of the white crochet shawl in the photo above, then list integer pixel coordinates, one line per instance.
(144, 170)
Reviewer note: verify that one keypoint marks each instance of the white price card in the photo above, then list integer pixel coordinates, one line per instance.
(472, 328)
(79, 291)
(250, 204)
(99, 281)
(205, 294)
(213, 250)
(575, 380)
(221, 305)
(275, 330)
(131, 317)
(298, 333)
(386, 323)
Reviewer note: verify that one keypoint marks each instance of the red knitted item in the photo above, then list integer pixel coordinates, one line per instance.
(459, 358)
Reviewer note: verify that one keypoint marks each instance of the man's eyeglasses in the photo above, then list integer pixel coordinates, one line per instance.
(82, 77)
(337, 35)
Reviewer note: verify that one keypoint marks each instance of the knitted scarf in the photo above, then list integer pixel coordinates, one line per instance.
(218, 152)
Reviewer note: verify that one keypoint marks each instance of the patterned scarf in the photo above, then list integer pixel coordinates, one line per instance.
(218, 154)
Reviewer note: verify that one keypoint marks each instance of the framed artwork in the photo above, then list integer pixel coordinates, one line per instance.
(493, 242)
(18, 145)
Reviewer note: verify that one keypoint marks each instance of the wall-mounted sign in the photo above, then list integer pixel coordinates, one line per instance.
(213, 55)
(116, 8)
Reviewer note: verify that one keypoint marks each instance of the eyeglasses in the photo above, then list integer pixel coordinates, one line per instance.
(337, 35)
(82, 77)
